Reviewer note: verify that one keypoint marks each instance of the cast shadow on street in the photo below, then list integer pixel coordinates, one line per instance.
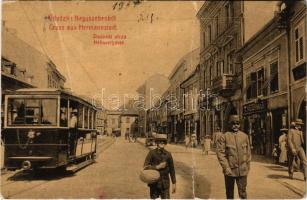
(202, 186)
(276, 168)
(31, 175)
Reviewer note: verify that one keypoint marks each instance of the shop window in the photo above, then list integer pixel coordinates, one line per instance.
(274, 77)
(299, 43)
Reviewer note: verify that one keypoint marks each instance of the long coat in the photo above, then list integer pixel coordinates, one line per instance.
(234, 153)
(283, 148)
(154, 158)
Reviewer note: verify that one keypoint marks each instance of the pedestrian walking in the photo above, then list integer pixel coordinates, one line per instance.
(202, 143)
(216, 136)
(207, 144)
(234, 155)
(161, 160)
(283, 145)
(275, 154)
(295, 144)
(187, 141)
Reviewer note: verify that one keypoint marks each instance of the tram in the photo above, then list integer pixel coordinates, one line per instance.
(48, 128)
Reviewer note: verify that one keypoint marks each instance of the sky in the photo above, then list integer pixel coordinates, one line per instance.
(150, 47)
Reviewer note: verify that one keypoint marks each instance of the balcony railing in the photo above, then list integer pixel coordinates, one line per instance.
(223, 85)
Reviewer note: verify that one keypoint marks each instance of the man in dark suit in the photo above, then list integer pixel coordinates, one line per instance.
(161, 160)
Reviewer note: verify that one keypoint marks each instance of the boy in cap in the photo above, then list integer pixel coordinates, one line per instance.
(234, 155)
(161, 160)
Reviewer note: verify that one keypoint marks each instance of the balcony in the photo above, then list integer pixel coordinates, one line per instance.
(223, 85)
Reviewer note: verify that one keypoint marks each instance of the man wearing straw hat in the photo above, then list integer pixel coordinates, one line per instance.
(295, 144)
(161, 160)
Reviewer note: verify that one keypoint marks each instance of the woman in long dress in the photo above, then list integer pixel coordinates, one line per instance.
(283, 146)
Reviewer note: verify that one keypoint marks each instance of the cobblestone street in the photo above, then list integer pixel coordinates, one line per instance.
(116, 175)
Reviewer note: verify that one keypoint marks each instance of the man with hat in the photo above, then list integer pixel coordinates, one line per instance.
(161, 160)
(234, 155)
(295, 144)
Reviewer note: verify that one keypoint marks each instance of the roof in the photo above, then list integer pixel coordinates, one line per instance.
(26, 56)
(48, 91)
(192, 59)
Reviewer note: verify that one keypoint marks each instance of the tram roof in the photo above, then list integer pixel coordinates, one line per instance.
(49, 91)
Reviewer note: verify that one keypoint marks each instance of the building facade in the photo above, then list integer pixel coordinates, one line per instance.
(149, 94)
(220, 80)
(35, 67)
(225, 26)
(274, 76)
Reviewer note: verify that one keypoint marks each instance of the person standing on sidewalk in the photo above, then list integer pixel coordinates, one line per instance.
(234, 155)
(216, 135)
(283, 145)
(295, 144)
(161, 160)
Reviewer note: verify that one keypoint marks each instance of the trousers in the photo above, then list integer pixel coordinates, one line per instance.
(241, 183)
(155, 192)
(301, 155)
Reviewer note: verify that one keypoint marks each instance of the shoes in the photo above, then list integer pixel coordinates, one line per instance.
(291, 176)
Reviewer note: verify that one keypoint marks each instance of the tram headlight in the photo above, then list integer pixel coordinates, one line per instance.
(31, 134)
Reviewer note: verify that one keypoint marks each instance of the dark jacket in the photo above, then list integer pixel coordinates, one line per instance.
(234, 153)
(154, 158)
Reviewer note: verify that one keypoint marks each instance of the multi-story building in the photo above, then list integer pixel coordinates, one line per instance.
(101, 117)
(181, 72)
(128, 117)
(112, 122)
(191, 92)
(298, 56)
(224, 25)
(150, 93)
(274, 76)
(30, 65)
(265, 86)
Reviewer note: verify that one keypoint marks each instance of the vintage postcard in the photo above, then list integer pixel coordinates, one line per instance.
(140, 99)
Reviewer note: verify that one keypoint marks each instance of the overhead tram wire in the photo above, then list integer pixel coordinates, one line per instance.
(46, 54)
(35, 33)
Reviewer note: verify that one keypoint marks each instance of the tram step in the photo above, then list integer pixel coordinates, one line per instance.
(76, 167)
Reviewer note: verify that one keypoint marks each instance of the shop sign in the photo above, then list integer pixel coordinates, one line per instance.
(255, 107)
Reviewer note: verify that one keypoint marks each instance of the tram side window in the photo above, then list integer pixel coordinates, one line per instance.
(90, 119)
(16, 111)
(86, 117)
(75, 115)
(63, 112)
(80, 116)
(49, 111)
(32, 111)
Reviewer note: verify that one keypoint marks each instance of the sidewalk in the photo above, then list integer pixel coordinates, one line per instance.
(265, 180)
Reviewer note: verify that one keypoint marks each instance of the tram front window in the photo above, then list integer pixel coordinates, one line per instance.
(32, 111)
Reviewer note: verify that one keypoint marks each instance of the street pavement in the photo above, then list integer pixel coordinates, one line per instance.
(116, 175)
(265, 180)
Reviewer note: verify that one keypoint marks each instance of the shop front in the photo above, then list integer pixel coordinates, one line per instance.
(256, 122)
